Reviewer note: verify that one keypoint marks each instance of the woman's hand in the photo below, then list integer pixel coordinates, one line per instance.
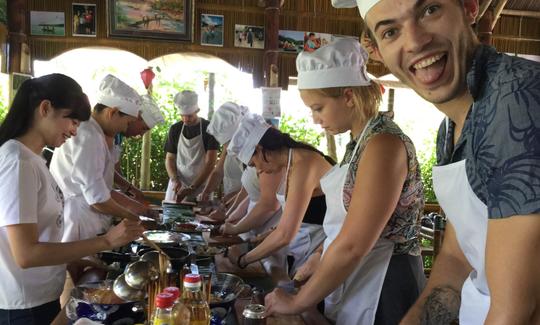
(218, 215)
(123, 233)
(281, 302)
(227, 229)
(307, 269)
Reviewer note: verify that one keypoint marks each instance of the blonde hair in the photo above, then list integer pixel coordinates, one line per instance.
(366, 99)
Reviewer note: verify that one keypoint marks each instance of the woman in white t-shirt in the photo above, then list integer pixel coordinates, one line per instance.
(45, 111)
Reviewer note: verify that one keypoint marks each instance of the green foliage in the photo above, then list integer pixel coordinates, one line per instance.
(3, 103)
(427, 159)
(300, 130)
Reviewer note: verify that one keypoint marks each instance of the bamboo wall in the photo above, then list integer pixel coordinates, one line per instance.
(312, 15)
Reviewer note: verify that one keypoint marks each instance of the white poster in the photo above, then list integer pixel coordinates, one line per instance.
(271, 107)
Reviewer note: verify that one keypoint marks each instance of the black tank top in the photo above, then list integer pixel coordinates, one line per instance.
(316, 210)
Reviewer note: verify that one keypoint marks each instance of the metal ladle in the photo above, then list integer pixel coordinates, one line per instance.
(139, 273)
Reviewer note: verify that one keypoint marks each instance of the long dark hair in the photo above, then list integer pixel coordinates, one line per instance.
(274, 140)
(62, 91)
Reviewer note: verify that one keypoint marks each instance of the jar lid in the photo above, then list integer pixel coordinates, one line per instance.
(192, 281)
(164, 300)
(254, 311)
(173, 290)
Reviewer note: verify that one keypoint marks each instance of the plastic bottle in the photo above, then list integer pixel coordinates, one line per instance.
(194, 300)
(163, 313)
(181, 314)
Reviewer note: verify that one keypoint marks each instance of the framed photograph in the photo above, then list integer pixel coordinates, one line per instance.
(313, 41)
(84, 19)
(211, 30)
(47, 23)
(291, 41)
(157, 19)
(249, 36)
(3, 12)
(15, 82)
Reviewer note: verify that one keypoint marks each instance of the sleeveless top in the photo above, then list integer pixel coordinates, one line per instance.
(403, 228)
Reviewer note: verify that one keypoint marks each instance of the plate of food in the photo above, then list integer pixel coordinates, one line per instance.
(205, 251)
(164, 237)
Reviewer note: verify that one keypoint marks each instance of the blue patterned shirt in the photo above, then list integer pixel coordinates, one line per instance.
(501, 135)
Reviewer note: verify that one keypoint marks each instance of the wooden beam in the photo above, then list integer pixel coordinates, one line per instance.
(497, 12)
(17, 11)
(271, 39)
(483, 8)
(515, 38)
(521, 13)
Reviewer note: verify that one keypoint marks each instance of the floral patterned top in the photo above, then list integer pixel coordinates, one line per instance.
(403, 228)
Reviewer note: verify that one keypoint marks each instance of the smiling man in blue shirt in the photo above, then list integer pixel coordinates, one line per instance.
(488, 176)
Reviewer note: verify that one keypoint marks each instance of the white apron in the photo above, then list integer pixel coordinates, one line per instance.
(309, 236)
(232, 174)
(81, 220)
(355, 301)
(469, 217)
(190, 156)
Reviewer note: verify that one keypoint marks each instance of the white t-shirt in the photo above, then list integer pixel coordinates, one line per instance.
(28, 194)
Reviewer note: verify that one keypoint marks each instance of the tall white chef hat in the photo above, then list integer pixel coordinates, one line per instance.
(187, 102)
(339, 64)
(113, 92)
(150, 112)
(363, 5)
(247, 137)
(225, 121)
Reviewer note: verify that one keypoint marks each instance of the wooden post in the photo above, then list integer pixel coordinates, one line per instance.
(331, 146)
(391, 92)
(211, 94)
(484, 27)
(144, 182)
(271, 42)
(17, 11)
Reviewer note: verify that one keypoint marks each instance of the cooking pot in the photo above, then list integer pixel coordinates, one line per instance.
(97, 302)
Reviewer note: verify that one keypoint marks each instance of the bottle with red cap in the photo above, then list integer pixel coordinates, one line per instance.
(181, 314)
(163, 313)
(194, 300)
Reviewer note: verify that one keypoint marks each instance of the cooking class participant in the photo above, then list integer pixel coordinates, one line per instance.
(371, 270)
(84, 166)
(258, 145)
(486, 179)
(190, 151)
(45, 111)
(129, 195)
(222, 126)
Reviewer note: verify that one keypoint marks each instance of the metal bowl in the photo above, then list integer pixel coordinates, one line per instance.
(124, 291)
(225, 288)
(139, 273)
(163, 237)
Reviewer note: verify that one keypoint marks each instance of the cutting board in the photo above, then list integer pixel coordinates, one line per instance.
(221, 240)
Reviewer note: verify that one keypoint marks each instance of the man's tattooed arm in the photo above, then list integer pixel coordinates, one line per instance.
(441, 307)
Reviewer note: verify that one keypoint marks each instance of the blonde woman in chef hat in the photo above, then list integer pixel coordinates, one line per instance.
(270, 151)
(46, 111)
(371, 270)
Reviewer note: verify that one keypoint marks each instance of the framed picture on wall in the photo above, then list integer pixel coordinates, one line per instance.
(156, 19)
(15, 82)
(84, 19)
(47, 23)
(249, 36)
(211, 30)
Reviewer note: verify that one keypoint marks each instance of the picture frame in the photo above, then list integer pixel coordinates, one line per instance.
(150, 19)
(47, 23)
(15, 82)
(291, 41)
(212, 30)
(84, 21)
(249, 36)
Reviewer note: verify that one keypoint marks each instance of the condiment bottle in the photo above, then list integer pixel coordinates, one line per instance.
(180, 312)
(163, 313)
(193, 299)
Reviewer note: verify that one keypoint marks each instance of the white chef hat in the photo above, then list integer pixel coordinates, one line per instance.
(363, 5)
(113, 92)
(225, 121)
(187, 102)
(150, 112)
(247, 137)
(339, 64)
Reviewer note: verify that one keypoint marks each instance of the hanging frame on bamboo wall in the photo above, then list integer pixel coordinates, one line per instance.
(155, 19)
(212, 30)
